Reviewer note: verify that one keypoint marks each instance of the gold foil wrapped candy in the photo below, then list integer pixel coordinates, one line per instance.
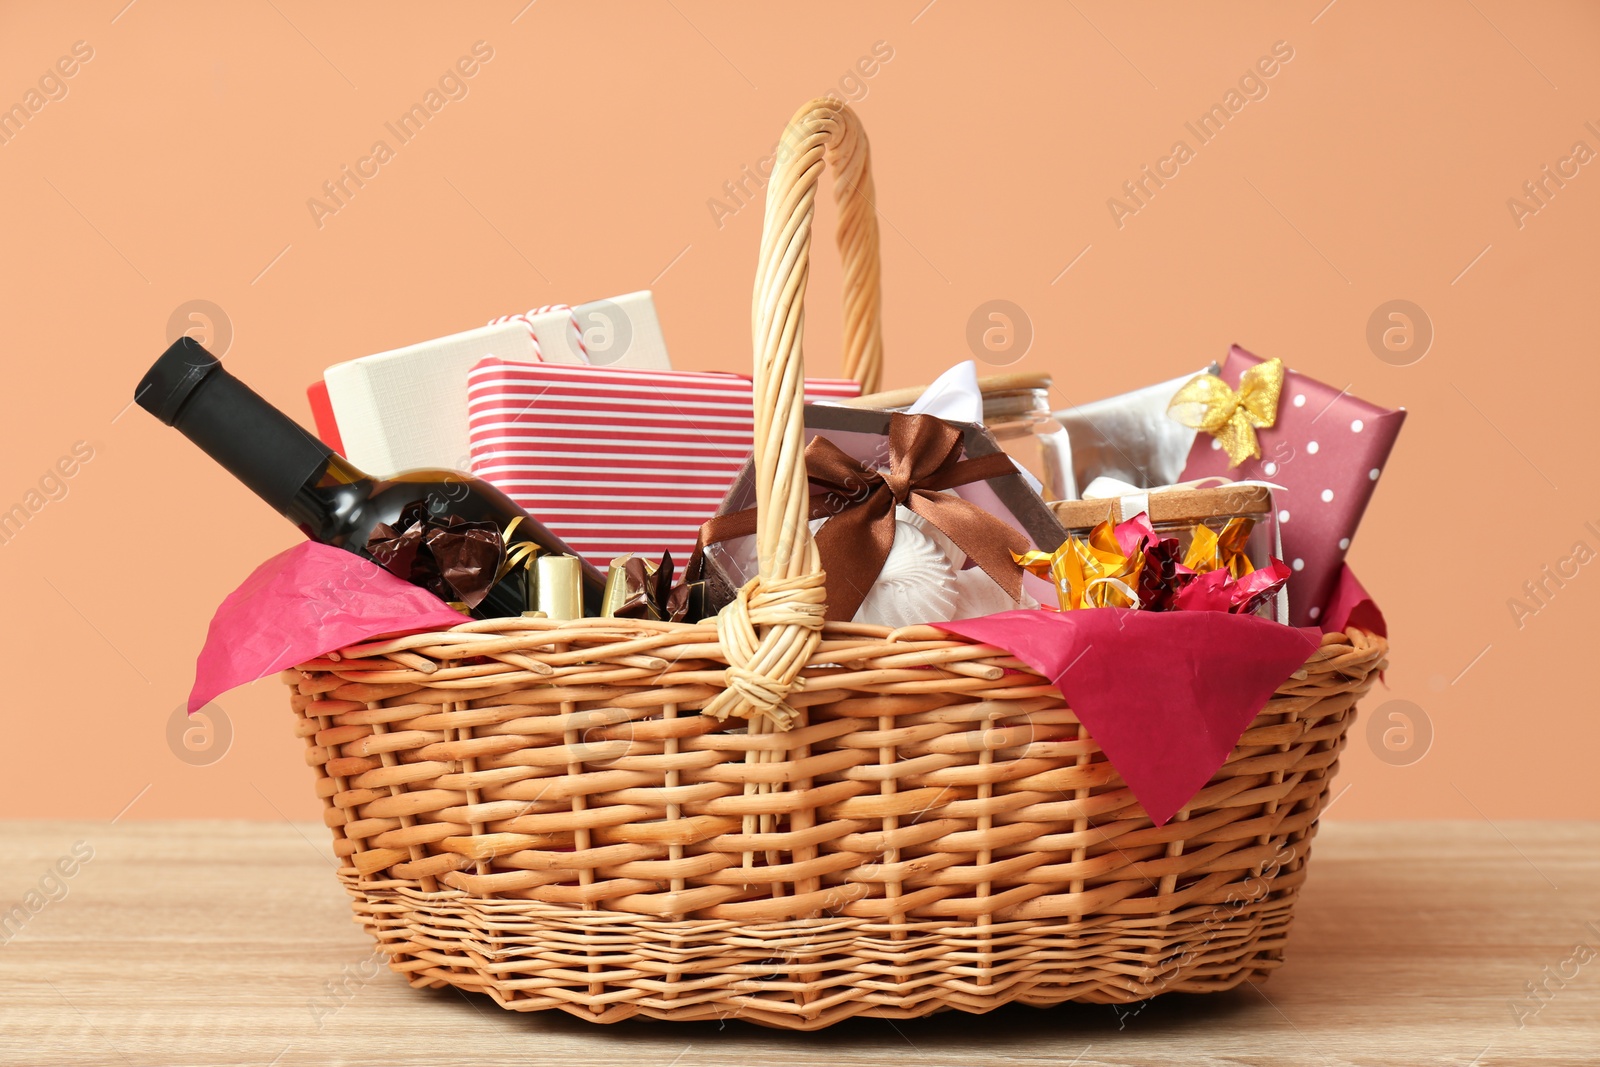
(1213, 550)
(1097, 573)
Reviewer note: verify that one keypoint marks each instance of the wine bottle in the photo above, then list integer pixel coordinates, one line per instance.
(318, 490)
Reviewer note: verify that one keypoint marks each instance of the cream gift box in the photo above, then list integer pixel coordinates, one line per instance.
(407, 408)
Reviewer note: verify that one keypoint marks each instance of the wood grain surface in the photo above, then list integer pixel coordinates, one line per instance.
(188, 943)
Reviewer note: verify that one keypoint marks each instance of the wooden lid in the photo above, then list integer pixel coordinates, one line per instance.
(991, 386)
(1170, 506)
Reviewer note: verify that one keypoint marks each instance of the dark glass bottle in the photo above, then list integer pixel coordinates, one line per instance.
(322, 493)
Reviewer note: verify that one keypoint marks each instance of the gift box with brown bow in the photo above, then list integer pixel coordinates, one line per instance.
(916, 519)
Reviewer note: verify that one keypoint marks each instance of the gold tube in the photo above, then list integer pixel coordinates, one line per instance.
(560, 586)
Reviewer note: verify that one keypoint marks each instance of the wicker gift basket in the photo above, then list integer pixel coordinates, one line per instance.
(765, 817)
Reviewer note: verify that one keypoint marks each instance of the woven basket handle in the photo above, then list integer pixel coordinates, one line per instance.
(770, 631)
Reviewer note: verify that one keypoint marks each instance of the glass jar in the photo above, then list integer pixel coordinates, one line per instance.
(1179, 513)
(1016, 409)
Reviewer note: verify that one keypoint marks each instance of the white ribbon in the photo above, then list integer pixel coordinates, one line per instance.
(1103, 487)
(1118, 584)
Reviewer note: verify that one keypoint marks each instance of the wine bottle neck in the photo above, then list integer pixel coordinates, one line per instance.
(258, 444)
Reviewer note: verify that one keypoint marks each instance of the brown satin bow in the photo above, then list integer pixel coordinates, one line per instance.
(924, 460)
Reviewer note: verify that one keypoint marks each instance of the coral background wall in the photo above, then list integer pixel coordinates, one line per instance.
(1437, 153)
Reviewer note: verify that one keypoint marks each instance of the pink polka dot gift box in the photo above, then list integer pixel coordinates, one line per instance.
(1326, 449)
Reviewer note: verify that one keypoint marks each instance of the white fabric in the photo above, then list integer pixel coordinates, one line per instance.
(954, 395)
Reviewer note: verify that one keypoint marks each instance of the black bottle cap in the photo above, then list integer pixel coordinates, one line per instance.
(168, 384)
(190, 390)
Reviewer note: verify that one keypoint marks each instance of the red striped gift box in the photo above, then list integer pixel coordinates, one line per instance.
(615, 461)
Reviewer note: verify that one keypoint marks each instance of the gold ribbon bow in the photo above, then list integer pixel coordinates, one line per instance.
(1206, 402)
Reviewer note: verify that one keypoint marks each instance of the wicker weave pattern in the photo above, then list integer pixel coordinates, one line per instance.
(577, 839)
(763, 817)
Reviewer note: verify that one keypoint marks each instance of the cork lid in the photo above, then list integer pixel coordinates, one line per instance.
(1177, 506)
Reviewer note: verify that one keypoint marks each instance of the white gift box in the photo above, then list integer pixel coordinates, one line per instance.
(407, 408)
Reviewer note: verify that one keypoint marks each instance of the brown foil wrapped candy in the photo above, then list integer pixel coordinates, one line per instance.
(639, 589)
(452, 558)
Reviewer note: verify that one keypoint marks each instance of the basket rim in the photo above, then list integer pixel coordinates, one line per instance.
(629, 631)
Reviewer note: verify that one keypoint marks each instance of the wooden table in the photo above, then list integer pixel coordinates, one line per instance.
(229, 943)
